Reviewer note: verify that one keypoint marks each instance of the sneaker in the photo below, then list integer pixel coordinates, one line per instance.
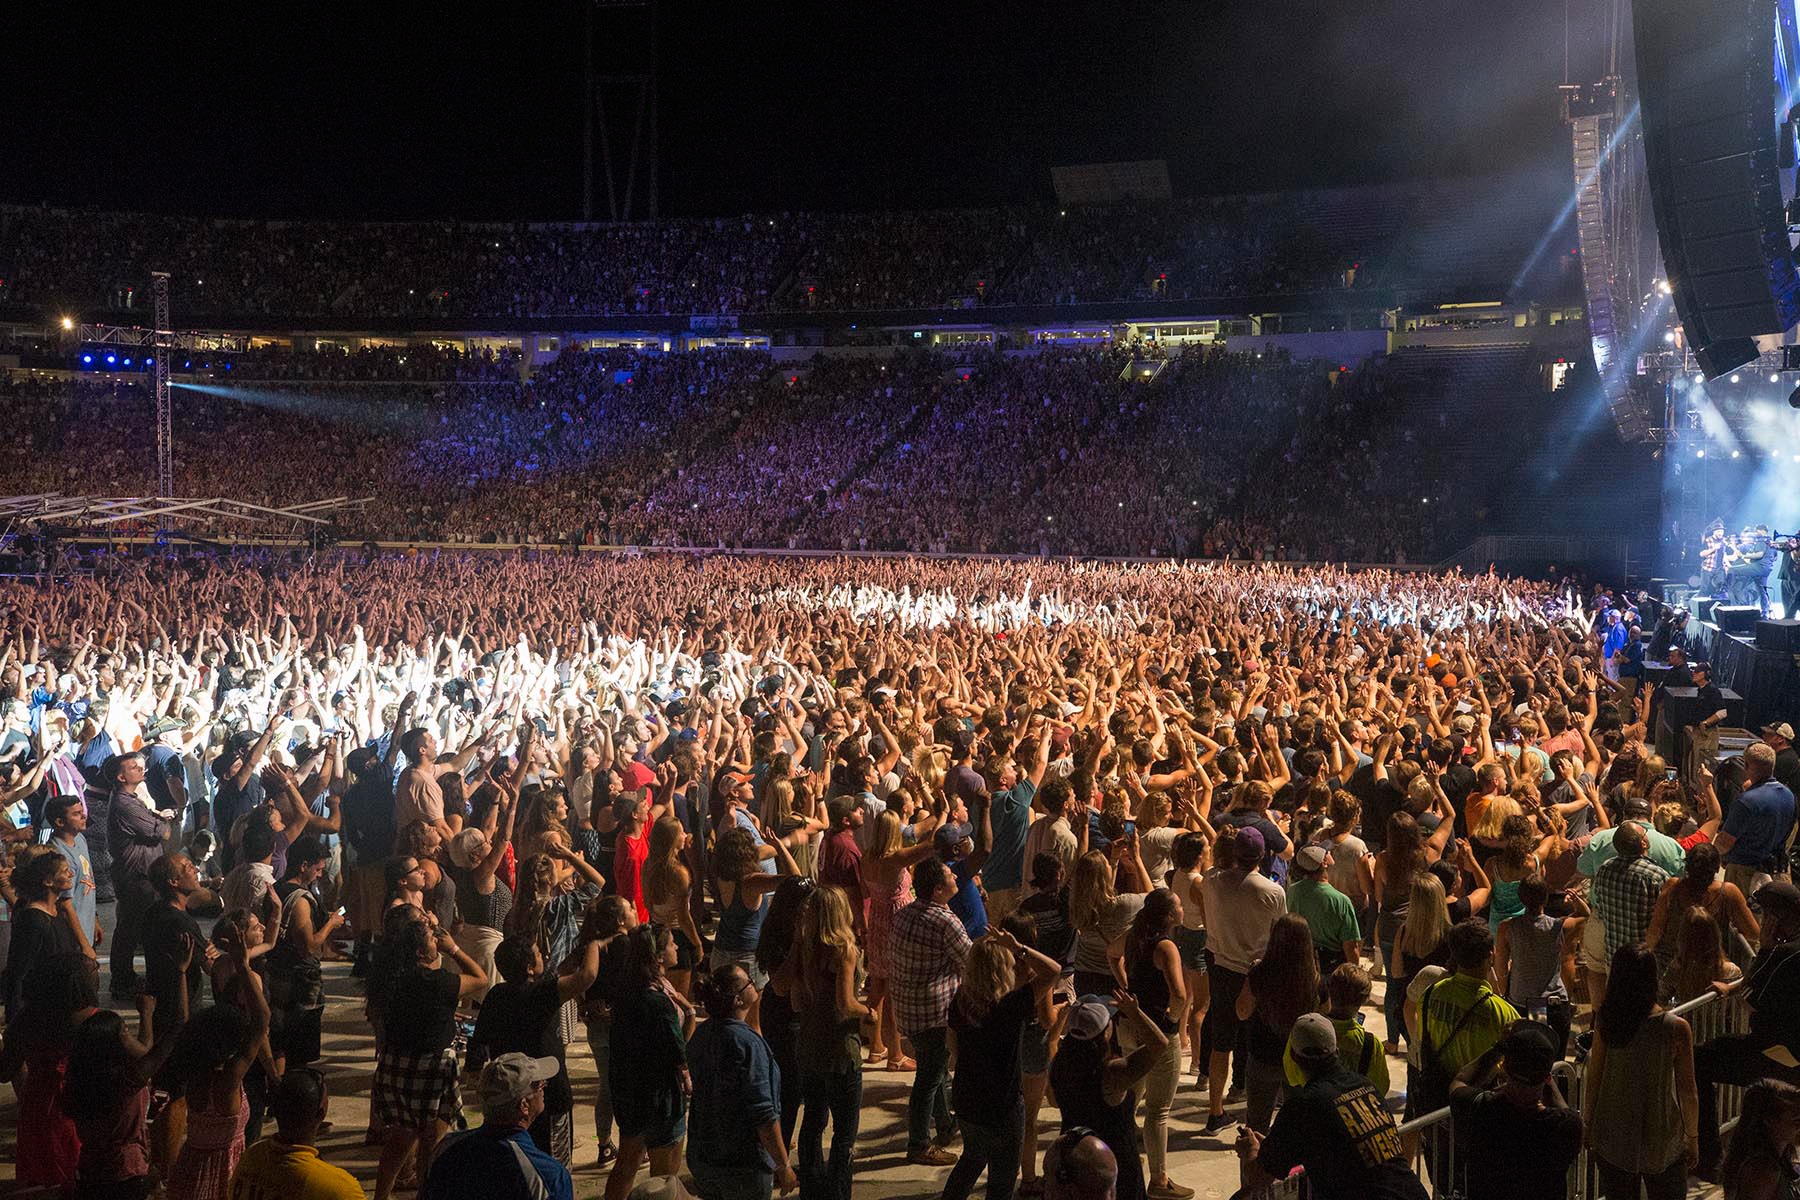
(1216, 1122)
(931, 1156)
(1168, 1191)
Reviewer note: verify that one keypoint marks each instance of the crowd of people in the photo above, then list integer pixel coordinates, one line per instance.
(1220, 453)
(1100, 841)
(72, 261)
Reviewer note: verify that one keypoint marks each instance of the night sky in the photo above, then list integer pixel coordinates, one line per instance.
(407, 110)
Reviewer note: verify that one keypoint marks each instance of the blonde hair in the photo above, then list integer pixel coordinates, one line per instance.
(1494, 816)
(931, 765)
(1427, 916)
(777, 803)
(663, 869)
(1153, 811)
(826, 932)
(988, 975)
(886, 839)
(1091, 893)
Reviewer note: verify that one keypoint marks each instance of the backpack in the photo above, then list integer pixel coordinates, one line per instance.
(1430, 1087)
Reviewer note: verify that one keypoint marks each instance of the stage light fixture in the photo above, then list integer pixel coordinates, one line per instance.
(1735, 378)
(128, 360)
(1699, 454)
(111, 359)
(1735, 453)
(1774, 378)
(87, 360)
(68, 323)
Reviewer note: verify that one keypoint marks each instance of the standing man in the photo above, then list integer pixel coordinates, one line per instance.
(1780, 738)
(930, 948)
(1703, 735)
(499, 1161)
(165, 773)
(1009, 814)
(1242, 906)
(1336, 933)
(174, 965)
(1626, 888)
(68, 825)
(135, 835)
(1754, 836)
(287, 1166)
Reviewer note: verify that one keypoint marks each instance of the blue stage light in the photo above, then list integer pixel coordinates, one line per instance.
(111, 359)
(87, 360)
(128, 361)
(149, 362)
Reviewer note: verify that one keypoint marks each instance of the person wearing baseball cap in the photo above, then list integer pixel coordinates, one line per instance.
(1754, 835)
(1335, 1126)
(1336, 932)
(956, 846)
(1093, 1079)
(1505, 1099)
(1242, 906)
(498, 1160)
(1780, 737)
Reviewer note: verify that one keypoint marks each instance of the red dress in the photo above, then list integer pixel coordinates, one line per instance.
(48, 1146)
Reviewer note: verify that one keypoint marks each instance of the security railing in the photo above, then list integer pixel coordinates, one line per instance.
(1431, 1142)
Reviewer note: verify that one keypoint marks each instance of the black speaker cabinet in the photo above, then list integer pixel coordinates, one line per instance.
(1706, 80)
(1736, 618)
(1783, 637)
(1701, 607)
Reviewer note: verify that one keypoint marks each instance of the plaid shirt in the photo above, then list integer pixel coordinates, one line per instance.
(929, 949)
(1625, 892)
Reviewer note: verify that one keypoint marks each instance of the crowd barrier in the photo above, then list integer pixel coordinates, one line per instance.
(1431, 1141)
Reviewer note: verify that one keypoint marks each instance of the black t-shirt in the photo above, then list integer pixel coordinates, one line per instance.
(1774, 991)
(1709, 700)
(1380, 800)
(1338, 1130)
(1457, 781)
(229, 803)
(522, 1018)
(419, 1015)
(368, 815)
(1049, 913)
(1498, 1130)
(987, 1056)
(1787, 768)
(167, 934)
(37, 938)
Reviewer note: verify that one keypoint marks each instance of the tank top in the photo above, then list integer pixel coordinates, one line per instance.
(1639, 1119)
(1190, 912)
(1536, 971)
(1151, 987)
(740, 928)
(1503, 903)
(476, 909)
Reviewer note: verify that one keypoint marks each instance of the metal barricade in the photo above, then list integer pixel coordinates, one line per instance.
(1431, 1139)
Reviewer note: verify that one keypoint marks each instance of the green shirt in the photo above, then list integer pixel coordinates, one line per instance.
(1328, 912)
(1356, 1046)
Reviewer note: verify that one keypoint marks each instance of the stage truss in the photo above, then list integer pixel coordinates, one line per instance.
(103, 515)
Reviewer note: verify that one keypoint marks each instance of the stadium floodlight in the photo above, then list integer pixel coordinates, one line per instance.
(68, 323)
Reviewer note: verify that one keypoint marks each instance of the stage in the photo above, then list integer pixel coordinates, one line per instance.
(1762, 666)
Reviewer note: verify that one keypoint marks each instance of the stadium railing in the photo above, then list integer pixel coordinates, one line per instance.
(1432, 1142)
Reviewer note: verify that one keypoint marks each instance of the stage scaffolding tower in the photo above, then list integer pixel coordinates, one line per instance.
(163, 338)
(619, 60)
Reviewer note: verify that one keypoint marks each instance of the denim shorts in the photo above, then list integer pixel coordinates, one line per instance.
(1191, 943)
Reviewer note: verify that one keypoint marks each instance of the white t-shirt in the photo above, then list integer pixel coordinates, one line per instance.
(1157, 846)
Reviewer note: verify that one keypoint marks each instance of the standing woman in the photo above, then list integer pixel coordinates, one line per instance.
(1420, 942)
(821, 978)
(1003, 987)
(1190, 857)
(296, 977)
(887, 882)
(1093, 1081)
(108, 1095)
(1759, 1163)
(483, 899)
(607, 919)
(34, 1058)
(1155, 976)
(213, 1052)
(543, 811)
(44, 925)
(234, 975)
(415, 1096)
(780, 1021)
(667, 887)
(1405, 856)
(650, 1085)
(1101, 916)
(743, 902)
(1640, 1107)
(789, 816)
(555, 889)
(1516, 860)
(1282, 987)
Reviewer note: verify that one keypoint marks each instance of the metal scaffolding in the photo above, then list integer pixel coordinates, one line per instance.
(163, 338)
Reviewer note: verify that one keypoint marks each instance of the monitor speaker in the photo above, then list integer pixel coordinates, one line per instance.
(1736, 618)
(1783, 637)
(1706, 80)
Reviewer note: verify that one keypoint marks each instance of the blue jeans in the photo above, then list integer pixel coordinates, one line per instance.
(930, 1100)
(731, 1183)
(995, 1147)
(837, 1094)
